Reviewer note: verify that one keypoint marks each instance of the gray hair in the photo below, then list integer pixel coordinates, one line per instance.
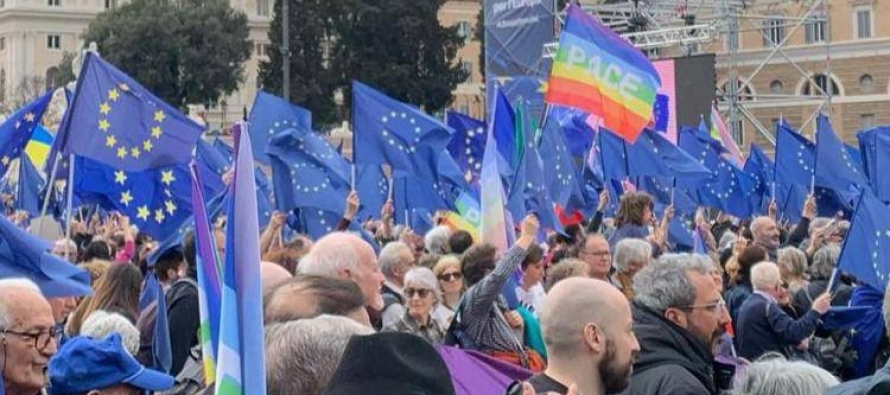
(302, 355)
(779, 376)
(436, 240)
(765, 275)
(566, 268)
(759, 223)
(425, 278)
(335, 254)
(631, 250)
(727, 240)
(818, 223)
(793, 260)
(665, 283)
(824, 262)
(101, 323)
(389, 257)
(14, 283)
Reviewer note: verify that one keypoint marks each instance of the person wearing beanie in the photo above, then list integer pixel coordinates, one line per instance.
(101, 367)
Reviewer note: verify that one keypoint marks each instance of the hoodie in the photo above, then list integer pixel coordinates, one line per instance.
(671, 360)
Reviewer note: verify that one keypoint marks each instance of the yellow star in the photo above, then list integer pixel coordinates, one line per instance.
(5, 160)
(110, 141)
(159, 215)
(159, 116)
(104, 125)
(120, 177)
(113, 94)
(134, 152)
(167, 176)
(121, 152)
(142, 213)
(29, 117)
(104, 108)
(156, 132)
(170, 206)
(147, 146)
(126, 198)
(124, 87)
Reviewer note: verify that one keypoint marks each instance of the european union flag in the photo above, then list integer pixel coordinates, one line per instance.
(114, 120)
(795, 157)
(504, 128)
(729, 188)
(761, 169)
(866, 250)
(309, 172)
(578, 134)
(528, 191)
(387, 131)
(153, 296)
(224, 149)
(373, 190)
(270, 115)
(875, 147)
(18, 129)
(559, 173)
(835, 168)
(467, 143)
(664, 192)
(651, 155)
(29, 188)
(157, 201)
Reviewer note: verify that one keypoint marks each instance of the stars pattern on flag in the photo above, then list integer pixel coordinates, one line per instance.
(280, 125)
(882, 238)
(400, 121)
(108, 125)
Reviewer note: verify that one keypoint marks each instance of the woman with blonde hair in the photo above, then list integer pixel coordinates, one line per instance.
(451, 283)
(116, 292)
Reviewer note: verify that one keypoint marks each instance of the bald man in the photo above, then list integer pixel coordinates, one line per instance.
(766, 234)
(763, 326)
(306, 296)
(271, 275)
(345, 255)
(27, 336)
(588, 330)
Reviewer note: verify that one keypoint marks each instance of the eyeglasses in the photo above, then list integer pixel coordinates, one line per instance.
(711, 307)
(449, 277)
(420, 292)
(41, 339)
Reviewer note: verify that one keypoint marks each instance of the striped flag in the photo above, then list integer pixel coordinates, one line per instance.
(209, 288)
(495, 223)
(240, 362)
(720, 133)
(38, 147)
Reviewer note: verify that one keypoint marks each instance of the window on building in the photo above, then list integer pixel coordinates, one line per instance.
(2, 43)
(464, 29)
(110, 4)
(53, 41)
(866, 121)
(262, 7)
(815, 29)
(467, 67)
(862, 23)
(262, 50)
(773, 31)
(54, 3)
(866, 83)
(821, 81)
(726, 91)
(776, 87)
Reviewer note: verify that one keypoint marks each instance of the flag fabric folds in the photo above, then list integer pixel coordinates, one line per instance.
(760, 168)
(270, 115)
(874, 145)
(559, 171)
(30, 187)
(495, 225)
(721, 133)
(387, 131)
(794, 171)
(467, 144)
(114, 120)
(597, 71)
(372, 187)
(38, 148)
(19, 128)
(153, 298)
(240, 367)
(651, 155)
(866, 250)
(834, 167)
(729, 188)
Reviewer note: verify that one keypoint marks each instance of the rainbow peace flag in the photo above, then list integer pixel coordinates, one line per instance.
(720, 133)
(467, 217)
(597, 71)
(38, 147)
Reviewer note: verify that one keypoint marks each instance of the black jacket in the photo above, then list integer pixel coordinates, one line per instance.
(764, 327)
(184, 320)
(671, 360)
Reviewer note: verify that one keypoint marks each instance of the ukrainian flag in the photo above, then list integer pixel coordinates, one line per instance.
(38, 147)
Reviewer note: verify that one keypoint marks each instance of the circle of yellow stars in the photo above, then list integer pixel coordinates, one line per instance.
(143, 212)
(111, 141)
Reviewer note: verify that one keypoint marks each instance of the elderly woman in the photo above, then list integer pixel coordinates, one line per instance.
(779, 376)
(630, 256)
(422, 294)
(824, 263)
(793, 263)
(451, 283)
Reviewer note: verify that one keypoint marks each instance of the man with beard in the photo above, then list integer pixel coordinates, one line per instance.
(678, 316)
(588, 330)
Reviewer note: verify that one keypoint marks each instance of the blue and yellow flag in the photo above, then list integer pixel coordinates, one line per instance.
(17, 130)
(114, 120)
(38, 148)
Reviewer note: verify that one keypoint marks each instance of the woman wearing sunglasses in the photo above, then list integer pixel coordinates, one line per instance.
(451, 282)
(421, 295)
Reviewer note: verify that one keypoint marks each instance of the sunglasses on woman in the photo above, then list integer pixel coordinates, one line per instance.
(449, 277)
(421, 292)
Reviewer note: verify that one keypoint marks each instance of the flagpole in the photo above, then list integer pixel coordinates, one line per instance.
(69, 204)
(389, 197)
(50, 184)
(353, 173)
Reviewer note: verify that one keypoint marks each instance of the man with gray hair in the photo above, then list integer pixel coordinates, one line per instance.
(630, 256)
(395, 259)
(588, 330)
(436, 240)
(763, 326)
(678, 316)
(28, 336)
(345, 255)
(302, 356)
(778, 376)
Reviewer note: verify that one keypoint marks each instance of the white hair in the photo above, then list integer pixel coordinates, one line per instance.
(302, 355)
(425, 278)
(631, 250)
(100, 323)
(765, 276)
(390, 255)
(778, 376)
(330, 255)
(9, 284)
(436, 240)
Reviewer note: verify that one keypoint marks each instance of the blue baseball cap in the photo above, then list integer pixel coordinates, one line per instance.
(85, 364)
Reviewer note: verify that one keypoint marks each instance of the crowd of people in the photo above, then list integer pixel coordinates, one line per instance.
(605, 306)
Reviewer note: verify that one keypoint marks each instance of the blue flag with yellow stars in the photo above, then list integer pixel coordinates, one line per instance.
(270, 115)
(866, 250)
(114, 120)
(16, 131)
(157, 201)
